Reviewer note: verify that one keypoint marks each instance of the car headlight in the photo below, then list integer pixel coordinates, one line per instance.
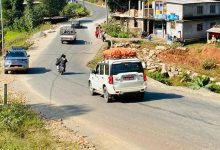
(8, 62)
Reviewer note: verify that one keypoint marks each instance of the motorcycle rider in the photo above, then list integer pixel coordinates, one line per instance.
(61, 61)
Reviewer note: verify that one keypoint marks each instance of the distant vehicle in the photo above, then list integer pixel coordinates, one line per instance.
(68, 34)
(16, 59)
(118, 77)
(76, 24)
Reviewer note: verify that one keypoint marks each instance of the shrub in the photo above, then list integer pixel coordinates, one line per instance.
(159, 77)
(15, 117)
(75, 10)
(214, 87)
(176, 44)
(209, 64)
(185, 77)
(123, 35)
(113, 29)
(200, 81)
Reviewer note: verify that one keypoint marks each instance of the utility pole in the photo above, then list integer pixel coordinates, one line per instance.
(2, 28)
(129, 7)
(84, 4)
(106, 6)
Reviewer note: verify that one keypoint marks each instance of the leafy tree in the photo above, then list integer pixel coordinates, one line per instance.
(29, 16)
(75, 10)
(38, 15)
(53, 7)
(12, 9)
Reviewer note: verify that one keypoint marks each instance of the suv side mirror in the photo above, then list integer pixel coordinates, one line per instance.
(93, 71)
(28, 55)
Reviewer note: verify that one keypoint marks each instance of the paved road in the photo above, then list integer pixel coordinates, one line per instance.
(166, 119)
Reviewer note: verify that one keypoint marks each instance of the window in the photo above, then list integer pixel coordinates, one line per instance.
(212, 9)
(126, 67)
(212, 24)
(199, 10)
(101, 69)
(97, 69)
(135, 23)
(106, 69)
(199, 27)
(173, 25)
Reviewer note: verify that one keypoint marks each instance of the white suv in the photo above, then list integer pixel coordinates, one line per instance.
(117, 77)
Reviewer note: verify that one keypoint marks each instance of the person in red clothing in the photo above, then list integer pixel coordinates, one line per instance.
(97, 32)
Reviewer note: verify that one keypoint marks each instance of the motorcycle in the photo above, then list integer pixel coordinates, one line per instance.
(61, 69)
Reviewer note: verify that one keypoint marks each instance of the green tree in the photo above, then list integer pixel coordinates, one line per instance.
(53, 7)
(38, 15)
(12, 9)
(29, 16)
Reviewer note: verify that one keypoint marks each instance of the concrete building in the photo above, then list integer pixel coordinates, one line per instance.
(195, 17)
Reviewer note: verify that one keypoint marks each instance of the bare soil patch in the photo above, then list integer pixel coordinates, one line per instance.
(193, 58)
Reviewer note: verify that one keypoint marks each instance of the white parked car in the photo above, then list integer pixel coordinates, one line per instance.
(118, 77)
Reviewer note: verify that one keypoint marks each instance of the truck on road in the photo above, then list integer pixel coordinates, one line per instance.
(68, 34)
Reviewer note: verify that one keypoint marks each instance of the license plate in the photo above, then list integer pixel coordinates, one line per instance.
(128, 78)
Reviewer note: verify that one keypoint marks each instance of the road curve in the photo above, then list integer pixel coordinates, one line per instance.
(166, 119)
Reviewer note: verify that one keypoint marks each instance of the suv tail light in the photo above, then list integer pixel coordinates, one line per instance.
(110, 79)
(145, 77)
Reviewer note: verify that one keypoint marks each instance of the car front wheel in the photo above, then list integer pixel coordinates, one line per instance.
(5, 71)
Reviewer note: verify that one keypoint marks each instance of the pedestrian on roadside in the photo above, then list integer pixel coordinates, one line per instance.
(100, 32)
(103, 36)
(97, 32)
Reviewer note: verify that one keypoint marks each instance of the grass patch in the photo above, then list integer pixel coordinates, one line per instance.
(159, 77)
(21, 128)
(20, 38)
(195, 45)
(15, 38)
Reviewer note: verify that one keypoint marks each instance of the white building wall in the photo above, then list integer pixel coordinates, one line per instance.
(175, 32)
(175, 8)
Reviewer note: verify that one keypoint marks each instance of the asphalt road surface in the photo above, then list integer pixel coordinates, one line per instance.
(166, 119)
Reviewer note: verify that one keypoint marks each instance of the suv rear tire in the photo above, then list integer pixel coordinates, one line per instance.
(5, 71)
(106, 95)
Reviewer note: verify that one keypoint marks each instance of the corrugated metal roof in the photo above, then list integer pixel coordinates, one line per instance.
(191, 1)
(214, 30)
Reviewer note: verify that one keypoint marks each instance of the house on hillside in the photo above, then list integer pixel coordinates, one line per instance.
(181, 19)
(195, 17)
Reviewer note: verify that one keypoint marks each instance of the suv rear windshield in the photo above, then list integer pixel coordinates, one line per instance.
(126, 67)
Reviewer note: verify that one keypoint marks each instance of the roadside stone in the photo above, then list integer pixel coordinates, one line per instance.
(152, 70)
(212, 79)
(50, 31)
(151, 53)
(194, 75)
(164, 69)
(217, 83)
(170, 74)
(182, 48)
(161, 48)
(152, 67)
